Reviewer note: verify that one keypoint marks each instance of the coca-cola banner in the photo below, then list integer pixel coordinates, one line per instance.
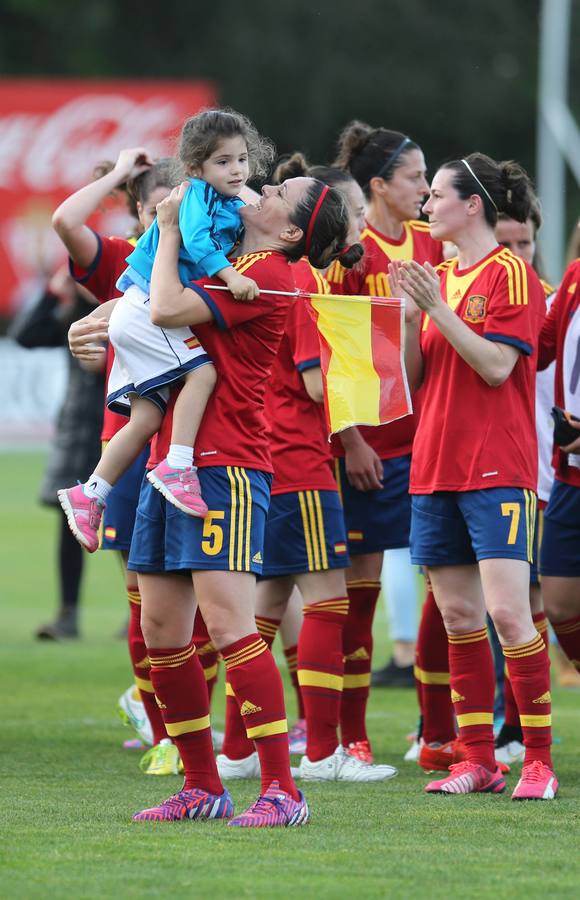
(52, 133)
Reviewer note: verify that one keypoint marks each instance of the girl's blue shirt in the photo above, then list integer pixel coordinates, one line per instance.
(210, 226)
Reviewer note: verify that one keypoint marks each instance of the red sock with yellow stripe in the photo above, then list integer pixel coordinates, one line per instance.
(268, 629)
(141, 665)
(291, 654)
(472, 692)
(207, 653)
(256, 682)
(512, 716)
(181, 692)
(358, 651)
(568, 634)
(320, 673)
(432, 673)
(529, 670)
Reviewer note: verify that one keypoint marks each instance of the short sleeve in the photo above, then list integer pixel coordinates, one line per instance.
(516, 306)
(226, 310)
(101, 276)
(303, 337)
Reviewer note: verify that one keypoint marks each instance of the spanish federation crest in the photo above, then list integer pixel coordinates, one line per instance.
(475, 309)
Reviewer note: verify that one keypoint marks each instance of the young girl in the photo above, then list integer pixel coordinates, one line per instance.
(219, 149)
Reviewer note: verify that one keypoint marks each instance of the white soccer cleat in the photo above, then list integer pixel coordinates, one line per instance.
(511, 753)
(341, 766)
(132, 712)
(217, 739)
(248, 767)
(412, 754)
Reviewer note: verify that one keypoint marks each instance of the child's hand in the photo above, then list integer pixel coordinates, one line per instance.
(241, 287)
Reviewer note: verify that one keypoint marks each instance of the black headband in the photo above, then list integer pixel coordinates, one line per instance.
(391, 160)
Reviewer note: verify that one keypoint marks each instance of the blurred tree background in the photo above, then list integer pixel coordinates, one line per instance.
(456, 76)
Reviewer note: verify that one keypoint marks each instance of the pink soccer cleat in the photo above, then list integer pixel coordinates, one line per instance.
(274, 809)
(179, 487)
(537, 782)
(468, 778)
(83, 514)
(191, 804)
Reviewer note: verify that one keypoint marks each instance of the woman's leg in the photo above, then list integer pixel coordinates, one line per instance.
(320, 658)
(458, 593)
(363, 585)
(562, 602)
(290, 628)
(167, 615)
(227, 601)
(70, 570)
(506, 588)
(399, 583)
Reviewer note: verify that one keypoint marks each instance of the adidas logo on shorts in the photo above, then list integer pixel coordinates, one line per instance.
(257, 558)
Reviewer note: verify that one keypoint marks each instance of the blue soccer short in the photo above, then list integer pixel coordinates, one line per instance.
(229, 539)
(454, 528)
(377, 520)
(304, 533)
(560, 550)
(536, 547)
(119, 516)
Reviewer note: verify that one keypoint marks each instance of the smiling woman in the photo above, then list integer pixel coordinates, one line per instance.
(302, 217)
(472, 335)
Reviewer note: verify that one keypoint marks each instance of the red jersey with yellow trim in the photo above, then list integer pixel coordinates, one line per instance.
(370, 278)
(298, 435)
(472, 436)
(242, 341)
(560, 341)
(101, 278)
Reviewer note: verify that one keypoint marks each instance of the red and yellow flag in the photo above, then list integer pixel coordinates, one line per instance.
(362, 359)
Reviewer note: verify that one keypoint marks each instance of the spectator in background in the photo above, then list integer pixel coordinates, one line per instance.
(76, 444)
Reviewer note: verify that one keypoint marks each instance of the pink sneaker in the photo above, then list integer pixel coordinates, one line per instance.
(83, 514)
(468, 778)
(297, 737)
(537, 782)
(273, 809)
(190, 804)
(180, 487)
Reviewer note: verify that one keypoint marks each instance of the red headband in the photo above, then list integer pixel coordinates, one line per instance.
(313, 217)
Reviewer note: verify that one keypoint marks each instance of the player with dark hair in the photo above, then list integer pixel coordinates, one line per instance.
(471, 341)
(373, 463)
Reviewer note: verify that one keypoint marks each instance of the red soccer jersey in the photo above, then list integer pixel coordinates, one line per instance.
(100, 279)
(472, 436)
(370, 277)
(242, 340)
(298, 435)
(560, 340)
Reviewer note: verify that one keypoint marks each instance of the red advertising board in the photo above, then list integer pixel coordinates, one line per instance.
(52, 133)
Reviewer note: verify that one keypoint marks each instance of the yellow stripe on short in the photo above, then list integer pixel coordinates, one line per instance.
(268, 729)
(174, 729)
(476, 718)
(233, 513)
(310, 678)
(356, 681)
(313, 531)
(248, 523)
(144, 685)
(431, 677)
(536, 721)
(306, 527)
(321, 532)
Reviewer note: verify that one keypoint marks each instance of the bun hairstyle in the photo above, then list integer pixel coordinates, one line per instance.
(504, 187)
(368, 152)
(323, 216)
(202, 133)
(297, 166)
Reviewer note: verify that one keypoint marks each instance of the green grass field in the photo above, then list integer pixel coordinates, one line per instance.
(68, 788)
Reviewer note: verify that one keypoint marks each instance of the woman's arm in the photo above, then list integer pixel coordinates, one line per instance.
(70, 217)
(413, 320)
(172, 304)
(312, 379)
(492, 360)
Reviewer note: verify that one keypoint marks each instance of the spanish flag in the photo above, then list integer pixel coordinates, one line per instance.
(362, 359)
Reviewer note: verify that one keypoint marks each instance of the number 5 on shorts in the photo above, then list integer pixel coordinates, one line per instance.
(513, 510)
(212, 535)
